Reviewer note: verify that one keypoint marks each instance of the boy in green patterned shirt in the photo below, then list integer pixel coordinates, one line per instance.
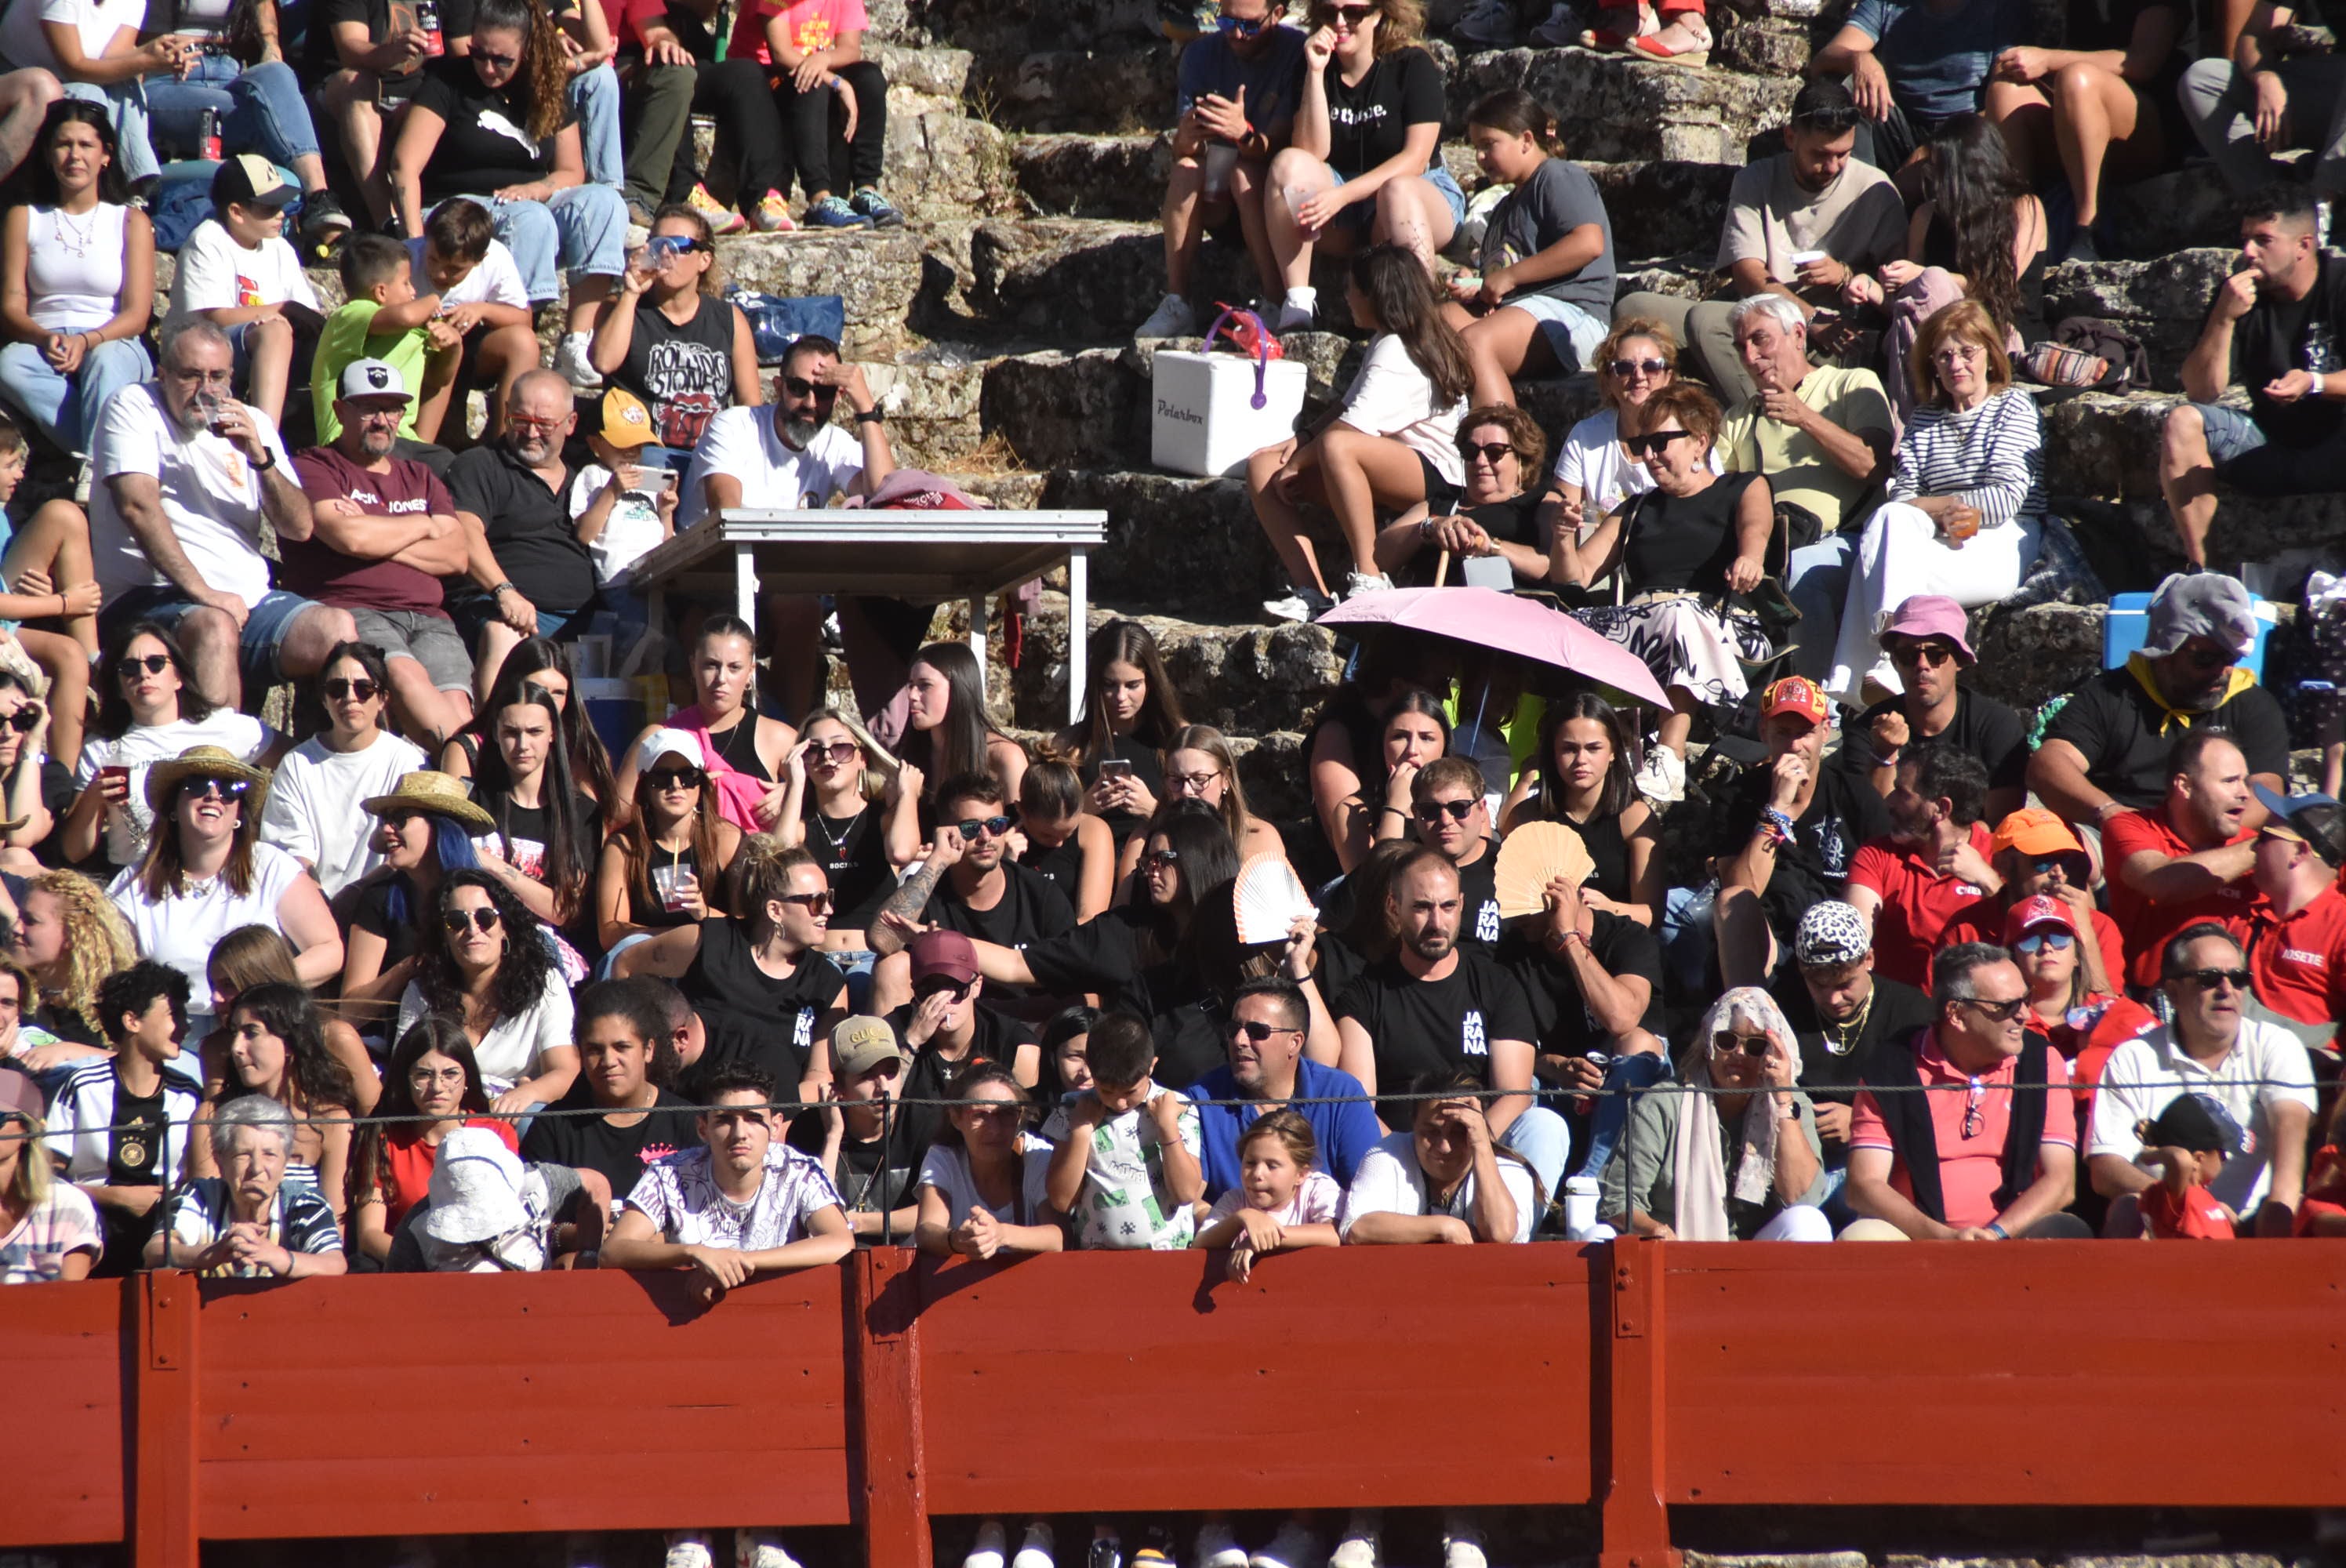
(1125, 1166)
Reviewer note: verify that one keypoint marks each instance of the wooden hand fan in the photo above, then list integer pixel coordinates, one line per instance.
(1533, 856)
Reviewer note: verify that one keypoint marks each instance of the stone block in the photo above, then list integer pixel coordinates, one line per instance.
(1091, 176)
(941, 163)
(1558, 404)
(932, 409)
(930, 71)
(878, 274)
(2163, 302)
(1762, 46)
(1124, 89)
(1174, 544)
(1066, 279)
(2179, 211)
(2029, 655)
(1244, 680)
(2106, 446)
(1664, 209)
(1612, 108)
(1085, 409)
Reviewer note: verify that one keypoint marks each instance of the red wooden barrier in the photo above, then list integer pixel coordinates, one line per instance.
(1643, 1376)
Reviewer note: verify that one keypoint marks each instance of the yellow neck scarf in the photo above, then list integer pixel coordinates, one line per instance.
(2138, 666)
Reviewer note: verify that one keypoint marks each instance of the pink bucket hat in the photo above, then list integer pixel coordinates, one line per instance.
(1932, 616)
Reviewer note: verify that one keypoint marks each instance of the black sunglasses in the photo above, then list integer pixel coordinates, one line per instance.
(225, 789)
(1241, 26)
(1921, 654)
(992, 827)
(1490, 451)
(675, 779)
(503, 62)
(2208, 658)
(799, 386)
(1430, 812)
(2209, 979)
(1999, 1011)
(1258, 1031)
(26, 718)
(152, 664)
(942, 985)
(1163, 859)
(1646, 445)
(1726, 1042)
(340, 687)
(816, 903)
(453, 920)
(1624, 369)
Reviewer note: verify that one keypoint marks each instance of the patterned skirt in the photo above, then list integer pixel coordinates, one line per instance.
(1687, 646)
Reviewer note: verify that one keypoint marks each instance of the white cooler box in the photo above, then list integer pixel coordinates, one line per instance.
(1204, 419)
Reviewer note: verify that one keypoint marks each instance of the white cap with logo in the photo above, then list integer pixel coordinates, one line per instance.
(373, 377)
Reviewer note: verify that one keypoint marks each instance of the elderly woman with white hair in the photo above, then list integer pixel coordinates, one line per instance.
(1731, 1152)
(245, 1222)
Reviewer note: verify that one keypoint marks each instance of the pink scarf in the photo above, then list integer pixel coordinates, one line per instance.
(738, 794)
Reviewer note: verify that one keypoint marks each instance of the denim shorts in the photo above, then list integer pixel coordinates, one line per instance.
(1361, 214)
(1571, 334)
(431, 641)
(2230, 432)
(258, 648)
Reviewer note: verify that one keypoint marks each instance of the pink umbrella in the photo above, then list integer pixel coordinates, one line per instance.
(1490, 619)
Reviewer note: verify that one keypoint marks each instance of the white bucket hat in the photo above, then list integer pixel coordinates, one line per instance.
(475, 1188)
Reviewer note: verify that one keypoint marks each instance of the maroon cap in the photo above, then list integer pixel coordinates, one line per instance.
(19, 1094)
(947, 952)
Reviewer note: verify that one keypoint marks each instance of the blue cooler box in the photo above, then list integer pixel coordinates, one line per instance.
(2129, 619)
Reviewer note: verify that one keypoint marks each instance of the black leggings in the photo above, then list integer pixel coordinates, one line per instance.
(816, 120)
(749, 132)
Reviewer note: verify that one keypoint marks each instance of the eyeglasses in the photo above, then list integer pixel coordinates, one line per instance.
(455, 921)
(1921, 654)
(1490, 451)
(816, 903)
(502, 62)
(1624, 369)
(1959, 354)
(425, 1077)
(1161, 859)
(2209, 979)
(1195, 783)
(836, 751)
(675, 779)
(1997, 1012)
(523, 421)
(799, 386)
(1430, 812)
(1726, 1042)
(152, 664)
(991, 827)
(229, 790)
(1646, 445)
(1258, 1031)
(2057, 940)
(340, 688)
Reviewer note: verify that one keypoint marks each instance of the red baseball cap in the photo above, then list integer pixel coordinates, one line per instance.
(2030, 914)
(1795, 693)
(947, 952)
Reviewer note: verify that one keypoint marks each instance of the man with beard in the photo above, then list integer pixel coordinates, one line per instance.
(2106, 752)
(512, 496)
(1933, 863)
(189, 474)
(1927, 641)
(2190, 860)
(969, 884)
(386, 532)
(1437, 1006)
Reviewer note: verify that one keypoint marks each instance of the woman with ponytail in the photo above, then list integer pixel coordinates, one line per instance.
(1545, 299)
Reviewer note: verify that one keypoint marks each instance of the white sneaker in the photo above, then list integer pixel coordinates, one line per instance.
(1490, 24)
(1358, 583)
(689, 1549)
(1173, 318)
(1461, 1541)
(570, 362)
(1035, 1552)
(990, 1548)
(1217, 1547)
(763, 1549)
(1561, 28)
(1662, 776)
(1295, 1546)
(1359, 1548)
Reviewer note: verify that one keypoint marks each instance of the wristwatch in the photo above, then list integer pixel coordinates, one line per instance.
(260, 467)
(869, 416)
(503, 587)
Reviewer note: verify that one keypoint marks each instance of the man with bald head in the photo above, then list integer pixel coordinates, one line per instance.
(2189, 860)
(512, 496)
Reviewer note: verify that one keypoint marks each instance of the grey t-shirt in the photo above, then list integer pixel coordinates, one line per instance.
(1558, 199)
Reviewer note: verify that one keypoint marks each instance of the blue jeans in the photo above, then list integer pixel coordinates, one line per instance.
(259, 647)
(125, 109)
(260, 109)
(1544, 1140)
(596, 96)
(1622, 1077)
(583, 227)
(66, 408)
(1816, 579)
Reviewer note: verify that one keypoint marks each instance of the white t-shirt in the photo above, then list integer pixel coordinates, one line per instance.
(2147, 1071)
(141, 748)
(495, 281)
(1591, 458)
(743, 443)
(182, 931)
(1391, 397)
(1388, 1181)
(1125, 1203)
(509, 1052)
(946, 1168)
(1317, 1200)
(211, 496)
(314, 811)
(21, 40)
(215, 273)
(629, 533)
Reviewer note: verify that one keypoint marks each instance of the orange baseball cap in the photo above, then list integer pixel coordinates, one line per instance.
(1795, 693)
(2032, 830)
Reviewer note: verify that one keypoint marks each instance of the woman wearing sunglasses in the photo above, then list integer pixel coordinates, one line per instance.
(205, 874)
(1501, 448)
(665, 865)
(1732, 1154)
(1681, 549)
(672, 338)
(1595, 474)
(423, 830)
(36, 792)
(149, 711)
(859, 810)
(493, 968)
(308, 814)
(2066, 1003)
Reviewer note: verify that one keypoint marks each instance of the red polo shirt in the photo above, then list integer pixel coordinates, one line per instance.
(2145, 925)
(1917, 902)
(2299, 963)
(2194, 1215)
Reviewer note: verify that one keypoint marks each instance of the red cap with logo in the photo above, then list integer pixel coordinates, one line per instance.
(2029, 913)
(1795, 693)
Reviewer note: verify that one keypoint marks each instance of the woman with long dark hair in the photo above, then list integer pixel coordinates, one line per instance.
(981, 1186)
(277, 1047)
(665, 865)
(423, 829)
(77, 280)
(1980, 234)
(494, 970)
(1134, 712)
(1393, 443)
(947, 731)
(1584, 775)
(1342, 745)
(540, 662)
(1413, 730)
(543, 848)
(458, 140)
(430, 1087)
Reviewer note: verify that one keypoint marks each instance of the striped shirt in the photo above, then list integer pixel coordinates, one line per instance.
(1991, 457)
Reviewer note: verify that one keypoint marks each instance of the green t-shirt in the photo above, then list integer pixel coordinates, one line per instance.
(346, 340)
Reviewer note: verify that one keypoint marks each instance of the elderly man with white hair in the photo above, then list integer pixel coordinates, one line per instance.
(1823, 436)
(245, 1223)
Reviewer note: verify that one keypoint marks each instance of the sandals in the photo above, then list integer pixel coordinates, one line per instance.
(1686, 41)
(1609, 33)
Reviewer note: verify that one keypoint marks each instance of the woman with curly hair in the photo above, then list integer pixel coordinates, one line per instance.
(71, 937)
(494, 970)
(277, 1047)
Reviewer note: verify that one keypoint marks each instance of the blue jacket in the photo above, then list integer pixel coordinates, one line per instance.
(1346, 1132)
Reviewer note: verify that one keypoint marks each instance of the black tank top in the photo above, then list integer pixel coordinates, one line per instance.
(1939, 251)
(1610, 852)
(739, 747)
(1063, 867)
(648, 909)
(683, 374)
(855, 860)
(1145, 768)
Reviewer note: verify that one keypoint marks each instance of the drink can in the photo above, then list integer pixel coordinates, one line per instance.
(212, 134)
(427, 16)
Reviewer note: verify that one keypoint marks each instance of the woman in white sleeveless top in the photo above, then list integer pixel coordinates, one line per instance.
(77, 280)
